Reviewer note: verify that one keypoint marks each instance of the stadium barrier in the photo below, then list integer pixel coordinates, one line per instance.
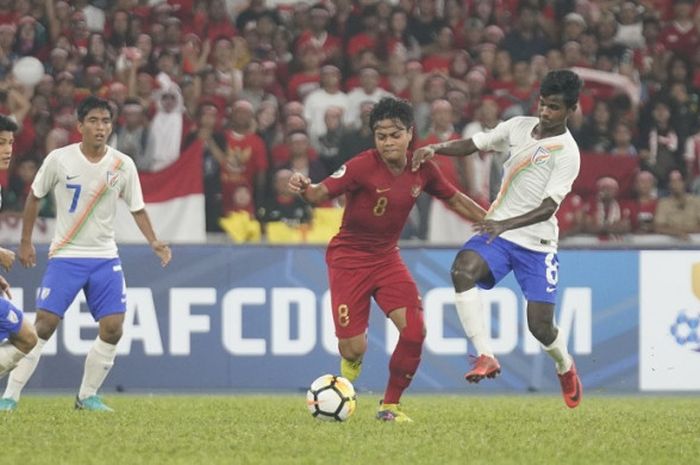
(257, 318)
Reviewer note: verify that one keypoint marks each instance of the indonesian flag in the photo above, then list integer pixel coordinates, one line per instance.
(174, 200)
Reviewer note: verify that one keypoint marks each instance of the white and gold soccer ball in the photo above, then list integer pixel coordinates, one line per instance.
(331, 398)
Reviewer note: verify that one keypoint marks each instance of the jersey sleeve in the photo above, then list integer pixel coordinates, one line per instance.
(345, 179)
(131, 193)
(497, 139)
(47, 177)
(566, 169)
(437, 184)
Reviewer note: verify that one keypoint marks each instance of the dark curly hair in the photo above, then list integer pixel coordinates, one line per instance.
(562, 82)
(90, 103)
(393, 109)
(7, 124)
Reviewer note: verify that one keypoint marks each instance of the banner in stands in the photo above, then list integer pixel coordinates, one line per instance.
(174, 200)
(669, 346)
(257, 318)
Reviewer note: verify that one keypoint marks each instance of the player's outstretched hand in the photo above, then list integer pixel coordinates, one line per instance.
(491, 227)
(7, 258)
(298, 183)
(163, 251)
(5, 287)
(27, 255)
(421, 155)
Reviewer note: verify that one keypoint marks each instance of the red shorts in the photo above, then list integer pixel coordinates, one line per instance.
(391, 285)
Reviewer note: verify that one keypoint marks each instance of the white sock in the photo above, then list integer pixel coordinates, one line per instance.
(23, 371)
(472, 317)
(9, 356)
(557, 350)
(98, 362)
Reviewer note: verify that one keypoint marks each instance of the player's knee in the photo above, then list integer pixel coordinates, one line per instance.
(352, 349)
(26, 339)
(464, 272)
(415, 327)
(543, 331)
(46, 324)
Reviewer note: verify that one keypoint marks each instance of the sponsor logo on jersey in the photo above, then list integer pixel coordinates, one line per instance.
(112, 178)
(540, 156)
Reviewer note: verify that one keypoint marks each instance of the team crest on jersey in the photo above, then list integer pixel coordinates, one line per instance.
(540, 156)
(44, 292)
(415, 191)
(12, 317)
(339, 172)
(112, 178)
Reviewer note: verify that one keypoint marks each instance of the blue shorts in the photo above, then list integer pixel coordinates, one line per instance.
(537, 272)
(101, 279)
(10, 319)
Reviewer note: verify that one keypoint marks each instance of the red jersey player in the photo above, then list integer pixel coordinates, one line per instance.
(363, 258)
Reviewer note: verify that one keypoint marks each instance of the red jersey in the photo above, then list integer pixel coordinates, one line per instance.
(377, 206)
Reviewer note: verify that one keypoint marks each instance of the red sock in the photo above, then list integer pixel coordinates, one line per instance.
(402, 366)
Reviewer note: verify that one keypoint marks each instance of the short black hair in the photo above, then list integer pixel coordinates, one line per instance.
(90, 103)
(564, 82)
(393, 109)
(7, 124)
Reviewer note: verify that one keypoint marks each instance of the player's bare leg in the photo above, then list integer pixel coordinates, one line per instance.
(352, 350)
(468, 268)
(99, 362)
(16, 347)
(540, 321)
(45, 325)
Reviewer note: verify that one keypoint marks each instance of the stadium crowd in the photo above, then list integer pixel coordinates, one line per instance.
(264, 89)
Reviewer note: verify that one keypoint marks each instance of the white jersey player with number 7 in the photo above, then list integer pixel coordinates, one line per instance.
(87, 180)
(520, 232)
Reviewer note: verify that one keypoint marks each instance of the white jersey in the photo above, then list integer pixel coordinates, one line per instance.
(86, 197)
(535, 169)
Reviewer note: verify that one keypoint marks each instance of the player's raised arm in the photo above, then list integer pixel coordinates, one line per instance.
(465, 207)
(160, 248)
(452, 148)
(311, 193)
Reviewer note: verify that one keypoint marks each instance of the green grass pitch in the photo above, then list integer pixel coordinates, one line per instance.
(243, 429)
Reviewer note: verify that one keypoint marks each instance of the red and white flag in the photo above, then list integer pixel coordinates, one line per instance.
(174, 201)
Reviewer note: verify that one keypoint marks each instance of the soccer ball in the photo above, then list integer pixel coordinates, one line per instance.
(331, 398)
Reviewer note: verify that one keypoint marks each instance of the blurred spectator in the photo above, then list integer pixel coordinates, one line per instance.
(308, 77)
(605, 216)
(622, 141)
(318, 35)
(484, 169)
(281, 205)
(681, 35)
(253, 89)
(207, 131)
(424, 23)
(166, 129)
(596, 133)
(435, 221)
(300, 159)
(527, 37)
(319, 100)
(678, 214)
(643, 206)
(401, 41)
(20, 184)
(328, 144)
(369, 91)
(660, 146)
(132, 136)
(629, 27)
(357, 140)
(243, 174)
